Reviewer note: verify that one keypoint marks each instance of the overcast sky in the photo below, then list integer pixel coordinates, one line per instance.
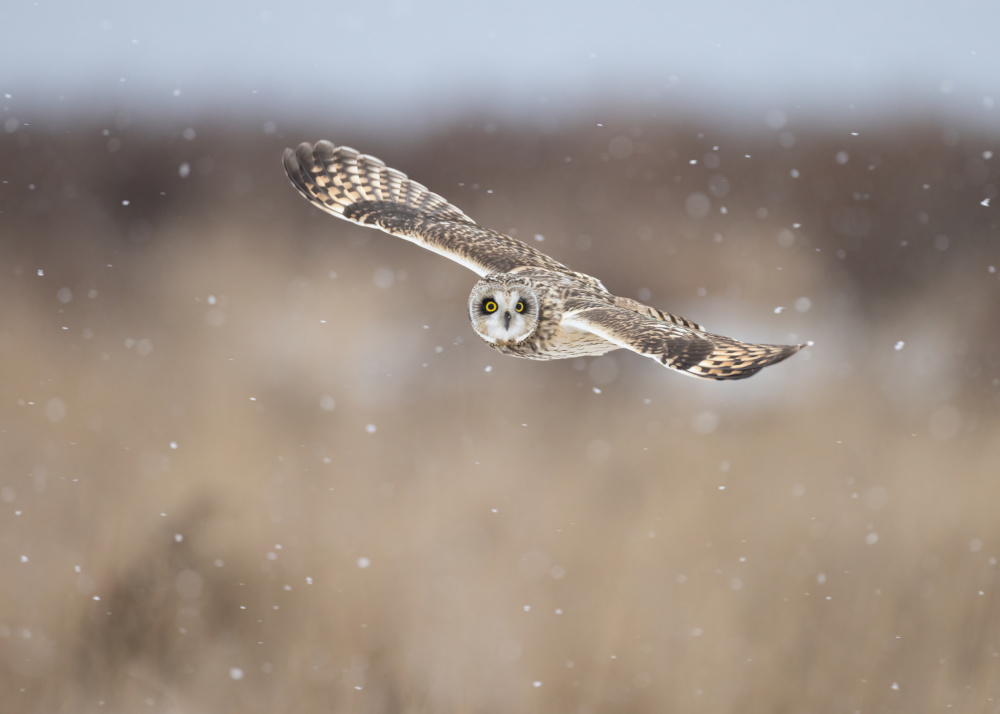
(417, 58)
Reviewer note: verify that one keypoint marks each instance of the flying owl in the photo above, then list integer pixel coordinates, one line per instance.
(525, 303)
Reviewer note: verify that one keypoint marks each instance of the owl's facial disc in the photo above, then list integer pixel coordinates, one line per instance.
(502, 314)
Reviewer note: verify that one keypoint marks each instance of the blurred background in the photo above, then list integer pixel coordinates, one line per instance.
(253, 458)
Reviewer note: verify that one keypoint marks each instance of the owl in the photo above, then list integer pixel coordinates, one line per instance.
(525, 304)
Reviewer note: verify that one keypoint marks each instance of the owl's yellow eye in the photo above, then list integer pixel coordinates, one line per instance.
(490, 306)
(520, 306)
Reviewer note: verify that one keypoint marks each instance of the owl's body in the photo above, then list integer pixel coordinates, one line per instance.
(526, 304)
(552, 339)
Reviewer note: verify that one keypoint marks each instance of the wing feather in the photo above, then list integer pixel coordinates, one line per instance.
(364, 190)
(682, 347)
(648, 311)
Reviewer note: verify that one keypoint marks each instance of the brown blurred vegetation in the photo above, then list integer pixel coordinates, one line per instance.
(184, 517)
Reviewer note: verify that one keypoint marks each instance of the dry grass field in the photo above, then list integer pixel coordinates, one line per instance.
(255, 459)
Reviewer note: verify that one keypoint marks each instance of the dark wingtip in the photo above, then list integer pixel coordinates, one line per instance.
(780, 356)
(296, 162)
(289, 162)
(785, 353)
(790, 350)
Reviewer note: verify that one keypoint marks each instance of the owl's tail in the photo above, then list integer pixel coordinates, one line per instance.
(361, 188)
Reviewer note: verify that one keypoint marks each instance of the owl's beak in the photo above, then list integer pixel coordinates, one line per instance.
(506, 320)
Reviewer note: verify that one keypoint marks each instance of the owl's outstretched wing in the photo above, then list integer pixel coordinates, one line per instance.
(364, 190)
(686, 349)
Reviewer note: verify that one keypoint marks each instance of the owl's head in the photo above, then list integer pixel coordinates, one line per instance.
(503, 309)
